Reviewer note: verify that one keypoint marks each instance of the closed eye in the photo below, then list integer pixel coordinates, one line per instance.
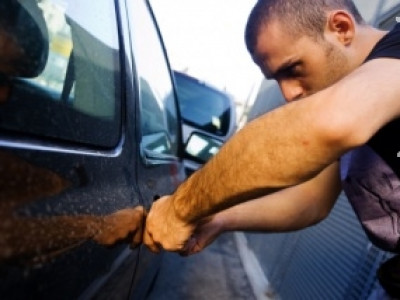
(293, 70)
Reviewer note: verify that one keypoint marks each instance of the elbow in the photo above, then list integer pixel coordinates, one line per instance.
(321, 207)
(340, 124)
(317, 217)
(321, 215)
(340, 133)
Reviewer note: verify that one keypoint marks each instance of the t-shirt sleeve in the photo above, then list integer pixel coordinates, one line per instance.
(388, 46)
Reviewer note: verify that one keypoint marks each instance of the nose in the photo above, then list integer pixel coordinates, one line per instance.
(291, 90)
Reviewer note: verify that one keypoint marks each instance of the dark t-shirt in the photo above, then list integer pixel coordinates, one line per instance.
(388, 46)
(386, 141)
(371, 174)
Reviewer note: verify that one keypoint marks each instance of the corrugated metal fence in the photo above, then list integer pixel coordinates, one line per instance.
(332, 260)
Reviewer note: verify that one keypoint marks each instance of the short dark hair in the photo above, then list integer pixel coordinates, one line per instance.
(299, 16)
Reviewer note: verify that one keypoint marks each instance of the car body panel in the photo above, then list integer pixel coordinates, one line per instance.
(59, 190)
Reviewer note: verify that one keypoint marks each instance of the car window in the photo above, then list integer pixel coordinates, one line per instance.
(158, 111)
(202, 106)
(67, 86)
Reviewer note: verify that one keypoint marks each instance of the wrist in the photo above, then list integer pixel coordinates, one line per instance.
(230, 219)
(220, 222)
(193, 200)
(176, 207)
(185, 204)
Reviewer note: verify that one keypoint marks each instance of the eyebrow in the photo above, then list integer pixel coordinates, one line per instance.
(282, 68)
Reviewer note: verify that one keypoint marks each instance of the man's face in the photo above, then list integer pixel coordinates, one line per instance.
(301, 65)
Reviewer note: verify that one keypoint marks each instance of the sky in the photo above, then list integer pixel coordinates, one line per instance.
(205, 38)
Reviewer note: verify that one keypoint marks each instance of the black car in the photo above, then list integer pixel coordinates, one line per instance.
(90, 136)
(208, 119)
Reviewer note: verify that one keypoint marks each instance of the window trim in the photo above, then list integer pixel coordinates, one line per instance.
(148, 157)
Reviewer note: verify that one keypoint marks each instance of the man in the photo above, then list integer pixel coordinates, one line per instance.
(346, 75)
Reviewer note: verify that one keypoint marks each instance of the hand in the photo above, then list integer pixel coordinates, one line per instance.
(126, 224)
(164, 229)
(206, 232)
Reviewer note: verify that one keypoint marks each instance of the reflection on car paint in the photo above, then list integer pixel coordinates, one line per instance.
(27, 239)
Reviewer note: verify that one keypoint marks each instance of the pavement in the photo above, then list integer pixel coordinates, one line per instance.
(215, 273)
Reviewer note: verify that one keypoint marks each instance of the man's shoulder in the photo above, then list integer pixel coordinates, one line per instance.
(388, 46)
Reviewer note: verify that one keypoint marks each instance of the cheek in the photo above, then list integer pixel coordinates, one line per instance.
(324, 77)
(333, 74)
(317, 75)
(337, 67)
(314, 82)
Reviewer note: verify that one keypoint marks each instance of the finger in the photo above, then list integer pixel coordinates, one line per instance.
(188, 247)
(149, 242)
(153, 247)
(196, 249)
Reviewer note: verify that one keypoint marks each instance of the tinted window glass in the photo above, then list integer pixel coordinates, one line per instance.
(202, 106)
(63, 77)
(158, 112)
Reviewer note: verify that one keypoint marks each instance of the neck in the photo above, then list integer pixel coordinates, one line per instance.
(368, 37)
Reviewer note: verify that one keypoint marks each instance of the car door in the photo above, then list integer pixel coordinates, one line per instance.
(159, 168)
(69, 151)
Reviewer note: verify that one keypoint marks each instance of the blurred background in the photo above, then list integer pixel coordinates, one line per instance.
(205, 39)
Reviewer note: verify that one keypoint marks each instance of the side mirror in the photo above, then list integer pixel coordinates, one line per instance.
(155, 149)
(198, 150)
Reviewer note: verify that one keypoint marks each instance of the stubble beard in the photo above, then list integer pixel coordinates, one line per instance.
(337, 66)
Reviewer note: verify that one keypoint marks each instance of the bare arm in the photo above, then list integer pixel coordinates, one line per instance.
(283, 148)
(290, 209)
(295, 142)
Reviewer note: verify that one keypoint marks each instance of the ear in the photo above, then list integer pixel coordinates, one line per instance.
(341, 24)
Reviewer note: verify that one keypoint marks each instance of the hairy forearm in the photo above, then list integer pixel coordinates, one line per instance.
(263, 157)
(295, 142)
